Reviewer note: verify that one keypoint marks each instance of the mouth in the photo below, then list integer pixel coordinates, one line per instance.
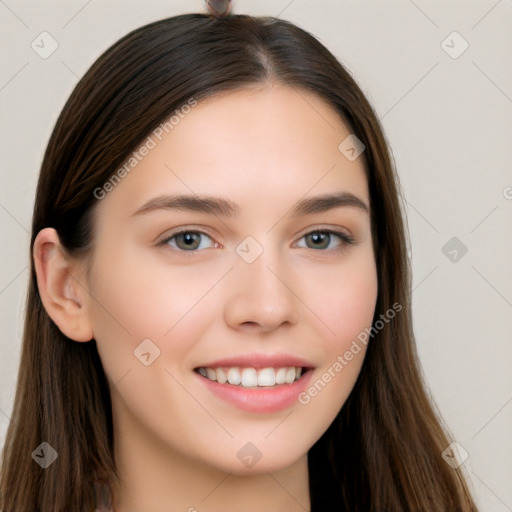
(253, 378)
(257, 383)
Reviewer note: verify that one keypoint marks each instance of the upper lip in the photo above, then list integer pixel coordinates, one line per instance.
(259, 360)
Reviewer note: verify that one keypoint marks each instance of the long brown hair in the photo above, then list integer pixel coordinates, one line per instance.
(383, 450)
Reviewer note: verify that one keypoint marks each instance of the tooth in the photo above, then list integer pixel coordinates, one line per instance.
(290, 375)
(221, 376)
(249, 377)
(281, 376)
(234, 376)
(266, 377)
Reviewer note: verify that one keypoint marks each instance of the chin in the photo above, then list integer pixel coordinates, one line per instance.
(251, 461)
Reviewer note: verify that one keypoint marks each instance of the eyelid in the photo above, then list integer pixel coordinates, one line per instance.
(170, 233)
(346, 237)
(163, 241)
(337, 230)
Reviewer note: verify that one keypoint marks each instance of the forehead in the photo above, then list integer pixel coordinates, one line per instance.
(277, 141)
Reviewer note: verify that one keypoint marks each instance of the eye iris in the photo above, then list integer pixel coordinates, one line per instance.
(189, 240)
(317, 237)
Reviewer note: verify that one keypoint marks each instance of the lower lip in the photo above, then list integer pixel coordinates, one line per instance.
(263, 400)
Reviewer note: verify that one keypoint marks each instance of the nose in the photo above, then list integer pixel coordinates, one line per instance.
(261, 296)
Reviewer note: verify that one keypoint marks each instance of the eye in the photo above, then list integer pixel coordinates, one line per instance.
(322, 238)
(191, 240)
(186, 240)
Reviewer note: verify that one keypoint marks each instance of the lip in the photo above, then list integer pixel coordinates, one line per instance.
(264, 400)
(259, 360)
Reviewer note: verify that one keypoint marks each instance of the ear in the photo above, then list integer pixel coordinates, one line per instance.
(63, 297)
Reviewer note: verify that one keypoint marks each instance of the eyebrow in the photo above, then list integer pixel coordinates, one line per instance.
(226, 208)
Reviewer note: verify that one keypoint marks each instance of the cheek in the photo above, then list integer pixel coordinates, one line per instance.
(352, 306)
(133, 301)
(344, 299)
(345, 302)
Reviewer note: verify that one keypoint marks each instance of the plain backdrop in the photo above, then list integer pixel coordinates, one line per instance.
(447, 113)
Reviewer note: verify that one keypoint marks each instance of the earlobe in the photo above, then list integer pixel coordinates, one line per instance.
(63, 297)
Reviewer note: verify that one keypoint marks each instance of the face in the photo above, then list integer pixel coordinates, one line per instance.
(245, 286)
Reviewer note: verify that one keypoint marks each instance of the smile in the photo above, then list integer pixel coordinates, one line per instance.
(256, 382)
(250, 377)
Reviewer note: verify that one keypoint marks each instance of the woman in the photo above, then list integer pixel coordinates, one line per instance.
(219, 309)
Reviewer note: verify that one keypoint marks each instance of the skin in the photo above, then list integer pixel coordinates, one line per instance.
(176, 443)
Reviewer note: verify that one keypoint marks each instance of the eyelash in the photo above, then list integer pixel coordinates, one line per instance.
(345, 239)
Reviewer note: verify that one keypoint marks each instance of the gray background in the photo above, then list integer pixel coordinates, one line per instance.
(449, 123)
